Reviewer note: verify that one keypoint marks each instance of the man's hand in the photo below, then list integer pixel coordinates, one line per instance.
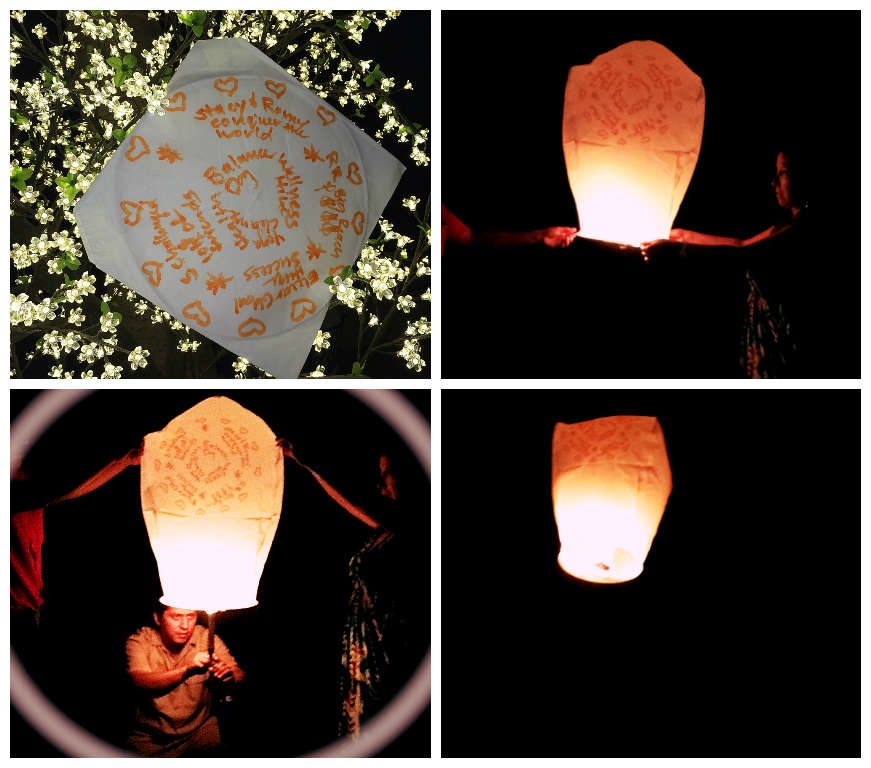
(200, 663)
(558, 237)
(221, 670)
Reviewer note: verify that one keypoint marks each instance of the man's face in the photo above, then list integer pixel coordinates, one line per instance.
(176, 626)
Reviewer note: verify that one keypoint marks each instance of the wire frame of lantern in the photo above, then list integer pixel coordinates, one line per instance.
(212, 483)
(611, 482)
(632, 131)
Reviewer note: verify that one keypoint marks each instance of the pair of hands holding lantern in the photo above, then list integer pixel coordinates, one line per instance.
(202, 662)
(454, 230)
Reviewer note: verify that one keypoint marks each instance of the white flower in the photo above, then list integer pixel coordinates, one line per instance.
(317, 373)
(405, 303)
(111, 371)
(108, 323)
(322, 341)
(137, 358)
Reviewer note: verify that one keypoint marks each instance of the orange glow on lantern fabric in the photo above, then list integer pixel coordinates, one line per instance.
(611, 482)
(632, 131)
(212, 487)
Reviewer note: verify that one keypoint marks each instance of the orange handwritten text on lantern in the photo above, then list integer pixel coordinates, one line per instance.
(288, 184)
(300, 308)
(266, 233)
(233, 184)
(232, 219)
(292, 123)
(354, 174)
(310, 153)
(332, 204)
(218, 282)
(313, 250)
(167, 153)
(207, 231)
(197, 312)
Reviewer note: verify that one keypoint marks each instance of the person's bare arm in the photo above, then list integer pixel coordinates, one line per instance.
(171, 677)
(552, 237)
(700, 238)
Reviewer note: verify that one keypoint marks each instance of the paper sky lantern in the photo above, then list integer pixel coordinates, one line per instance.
(232, 209)
(212, 485)
(632, 130)
(611, 481)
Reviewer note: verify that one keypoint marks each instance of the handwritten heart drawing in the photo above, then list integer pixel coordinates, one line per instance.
(277, 89)
(197, 312)
(132, 212)
(178, 96)
(252, 327)
(354, 174)
(152, 270)
(301, 308)
(187, 276)
(357, 221)
(227, 85)
(138, 148)
(337, 270)
(325, 115)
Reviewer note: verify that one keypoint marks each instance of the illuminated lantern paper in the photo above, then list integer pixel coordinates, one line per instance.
(632, 130)
(230, 210)
(212, 485)
(611, 481)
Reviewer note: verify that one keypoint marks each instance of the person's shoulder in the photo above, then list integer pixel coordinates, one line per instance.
(144, 635)
(201, 634)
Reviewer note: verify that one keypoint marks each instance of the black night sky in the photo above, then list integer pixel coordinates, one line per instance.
(100, 575)
(739, 639)
(591, 310)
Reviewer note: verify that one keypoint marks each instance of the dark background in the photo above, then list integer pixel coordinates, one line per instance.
(101, 577)
(739, 639)
(593, 310)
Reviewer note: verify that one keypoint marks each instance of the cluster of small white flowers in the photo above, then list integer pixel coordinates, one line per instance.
(137, 358)
(410, 352)
(405, 303)
(188, 345)
(22, 311)
(322, 341)
(317, 373)
(343, 289)
(419, 327)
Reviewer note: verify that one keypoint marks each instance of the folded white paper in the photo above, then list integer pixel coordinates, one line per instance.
(231, 210)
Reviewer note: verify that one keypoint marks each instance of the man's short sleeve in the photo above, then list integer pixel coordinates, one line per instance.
(137, 653)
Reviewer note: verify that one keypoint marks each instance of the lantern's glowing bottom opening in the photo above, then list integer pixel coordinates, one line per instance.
(601, 568)
(624, 197)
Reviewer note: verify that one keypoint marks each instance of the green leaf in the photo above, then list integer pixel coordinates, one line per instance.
(365, 23)
(119, 134)
(115, 63)
(119, 78)
(117, 316)
(71, 262)
(356, 369)
(346, 272)
(67, 280)
(375, 76)
(19, 178)
(18, 117)
(130, 61)
(104, 308)
(329, 280)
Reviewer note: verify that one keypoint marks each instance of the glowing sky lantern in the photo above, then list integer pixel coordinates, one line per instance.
(611, 481)
(632, 130)
(212, 485)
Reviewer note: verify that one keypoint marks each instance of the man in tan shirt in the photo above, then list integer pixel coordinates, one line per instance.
(170, 666)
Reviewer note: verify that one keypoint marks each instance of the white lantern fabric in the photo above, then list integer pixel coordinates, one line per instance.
(611, 482)
(212, 483)
(232, 209)
(632, 131)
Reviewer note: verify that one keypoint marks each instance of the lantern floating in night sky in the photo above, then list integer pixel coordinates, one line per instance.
(611, 481)
(632, 130)
(212, 486)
